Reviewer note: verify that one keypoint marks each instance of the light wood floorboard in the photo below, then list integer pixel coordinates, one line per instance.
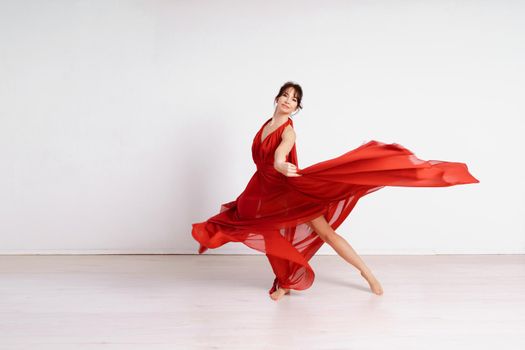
(222, 302)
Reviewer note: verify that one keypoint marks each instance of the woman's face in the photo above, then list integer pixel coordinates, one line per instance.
(287, 102)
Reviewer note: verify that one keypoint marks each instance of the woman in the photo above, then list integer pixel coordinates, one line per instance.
(288, 213)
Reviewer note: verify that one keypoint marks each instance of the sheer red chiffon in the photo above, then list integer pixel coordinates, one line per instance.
(271, 215)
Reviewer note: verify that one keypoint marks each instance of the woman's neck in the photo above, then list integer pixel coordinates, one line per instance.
(279, 118)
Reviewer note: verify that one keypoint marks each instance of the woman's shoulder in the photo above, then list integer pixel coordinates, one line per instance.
(288, 132)
(289, 127)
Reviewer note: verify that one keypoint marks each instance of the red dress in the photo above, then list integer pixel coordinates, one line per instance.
(271, 215)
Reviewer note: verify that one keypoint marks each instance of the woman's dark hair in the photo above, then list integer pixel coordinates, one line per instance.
(298, 92)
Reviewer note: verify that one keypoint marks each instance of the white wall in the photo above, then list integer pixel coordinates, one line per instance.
(122, 122)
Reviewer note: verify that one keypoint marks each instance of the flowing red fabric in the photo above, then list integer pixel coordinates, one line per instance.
(272, 214)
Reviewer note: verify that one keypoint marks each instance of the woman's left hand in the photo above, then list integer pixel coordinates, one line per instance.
(286, 168)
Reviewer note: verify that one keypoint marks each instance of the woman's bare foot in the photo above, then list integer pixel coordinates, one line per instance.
(375, 286)
(279, 293)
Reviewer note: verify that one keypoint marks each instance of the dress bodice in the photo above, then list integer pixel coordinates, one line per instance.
(263, 150)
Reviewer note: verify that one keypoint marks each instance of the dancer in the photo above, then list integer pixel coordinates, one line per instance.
(288, 213)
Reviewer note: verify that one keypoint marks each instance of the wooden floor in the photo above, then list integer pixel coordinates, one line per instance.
(222, 302)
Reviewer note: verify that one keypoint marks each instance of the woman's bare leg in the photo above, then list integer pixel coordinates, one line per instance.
(345, 250)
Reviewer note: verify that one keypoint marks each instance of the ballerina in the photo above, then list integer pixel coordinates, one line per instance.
(288, 213)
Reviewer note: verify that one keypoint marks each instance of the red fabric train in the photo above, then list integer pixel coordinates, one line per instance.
(272, 213)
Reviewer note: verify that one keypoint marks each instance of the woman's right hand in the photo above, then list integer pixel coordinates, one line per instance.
(286, 168)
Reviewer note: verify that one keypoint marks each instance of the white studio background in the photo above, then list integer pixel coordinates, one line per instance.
(123, 122)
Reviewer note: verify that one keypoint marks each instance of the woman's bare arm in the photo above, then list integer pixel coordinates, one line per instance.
(287, 142)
